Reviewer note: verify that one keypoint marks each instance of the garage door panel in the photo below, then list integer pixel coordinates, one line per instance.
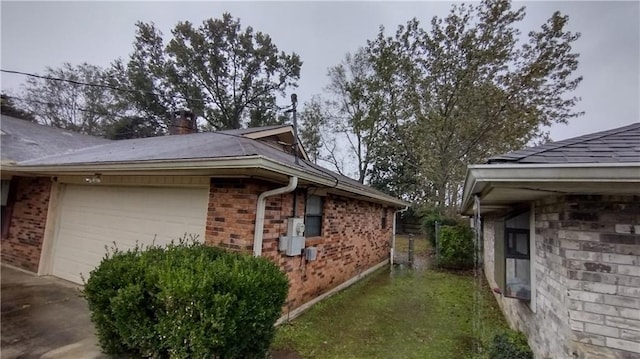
(86, 248)
(92, 217)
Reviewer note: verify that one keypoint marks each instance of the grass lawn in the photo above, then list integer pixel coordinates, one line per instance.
(420, 245)
(398, 313)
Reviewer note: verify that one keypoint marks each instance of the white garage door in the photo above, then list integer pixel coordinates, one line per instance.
(93, 217)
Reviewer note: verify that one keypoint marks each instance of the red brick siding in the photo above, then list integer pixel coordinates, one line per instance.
(23, 244)
(231, 213)
(352, 237)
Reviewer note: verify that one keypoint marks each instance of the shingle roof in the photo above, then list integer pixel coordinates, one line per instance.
(201, 145)
(22, 140)
(616, 145)
(196, 146)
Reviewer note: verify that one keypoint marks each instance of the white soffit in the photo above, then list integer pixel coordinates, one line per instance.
(511, 183)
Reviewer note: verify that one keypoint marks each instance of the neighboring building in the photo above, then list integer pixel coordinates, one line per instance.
(561, 237)
(71, 195)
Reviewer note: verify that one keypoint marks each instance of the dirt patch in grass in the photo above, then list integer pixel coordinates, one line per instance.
(399, 313)
(424, 255)
(283, 354)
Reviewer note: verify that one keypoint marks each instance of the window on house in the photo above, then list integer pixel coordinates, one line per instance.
(383, 219)
(313, 216)
(513, 257)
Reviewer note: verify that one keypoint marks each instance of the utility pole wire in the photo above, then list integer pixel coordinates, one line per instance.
(75, 82)
(75, 108)
(115, 88)
(106, 114)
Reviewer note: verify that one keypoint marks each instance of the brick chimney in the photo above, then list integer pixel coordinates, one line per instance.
(183, 123)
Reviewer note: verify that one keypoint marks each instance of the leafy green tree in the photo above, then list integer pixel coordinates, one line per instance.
(313, 122)
(10, 108)
(416, 107)
(363, 107)
(478, 89)
(395, 171)
(59, 98)
(265, 113)
(128, 127)
(227, 75)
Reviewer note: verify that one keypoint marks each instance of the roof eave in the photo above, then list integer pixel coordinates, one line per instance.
(479, 177)
(241, 162)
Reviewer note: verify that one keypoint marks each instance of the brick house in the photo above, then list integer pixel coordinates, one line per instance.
(560, 227)
(72, 195)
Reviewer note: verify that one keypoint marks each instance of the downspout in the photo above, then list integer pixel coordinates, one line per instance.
(262, 201)
(393, 235)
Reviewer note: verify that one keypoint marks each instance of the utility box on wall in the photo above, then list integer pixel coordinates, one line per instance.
(291, 245)
(311, 253)
(295, 227)
(295, 246)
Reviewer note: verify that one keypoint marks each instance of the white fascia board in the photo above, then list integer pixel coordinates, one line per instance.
(226, 162)
(480, 176)
(242, 162)
(331, 182)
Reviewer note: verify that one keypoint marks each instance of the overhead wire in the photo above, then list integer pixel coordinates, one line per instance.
(104, 86)
(106, 114)
(65, 105)
(116, 88)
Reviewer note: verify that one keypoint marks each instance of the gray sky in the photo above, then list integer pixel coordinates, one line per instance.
(39, 34)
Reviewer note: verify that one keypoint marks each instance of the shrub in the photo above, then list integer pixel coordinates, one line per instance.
(455, 247)
(185, 301)
(429, 225)
(510, 345)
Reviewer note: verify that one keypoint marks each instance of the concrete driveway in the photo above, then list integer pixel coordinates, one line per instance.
(44, 317)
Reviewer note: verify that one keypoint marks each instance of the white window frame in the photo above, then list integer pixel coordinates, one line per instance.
(320, 215)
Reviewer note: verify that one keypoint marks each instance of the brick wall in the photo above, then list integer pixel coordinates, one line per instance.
(23, 244)
(352, 239)
(601, 244)
(547, 328)
(587, 268)
(232, 211)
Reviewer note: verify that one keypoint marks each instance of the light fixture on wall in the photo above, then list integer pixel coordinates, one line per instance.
(95, 179)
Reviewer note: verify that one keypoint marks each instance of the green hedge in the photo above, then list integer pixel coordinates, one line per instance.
(510, 345)
(429, 225)
(185, 301)
(455, 247)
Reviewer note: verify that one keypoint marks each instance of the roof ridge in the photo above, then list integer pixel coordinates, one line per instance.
(254, 129)
(237, 138)
(576, 140)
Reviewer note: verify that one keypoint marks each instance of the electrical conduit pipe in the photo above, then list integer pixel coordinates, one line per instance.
(262, 202)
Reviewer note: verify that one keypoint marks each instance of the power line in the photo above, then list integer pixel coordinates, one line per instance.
(104, 86)
(67, 106)
(115, 88)
(77, 108)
